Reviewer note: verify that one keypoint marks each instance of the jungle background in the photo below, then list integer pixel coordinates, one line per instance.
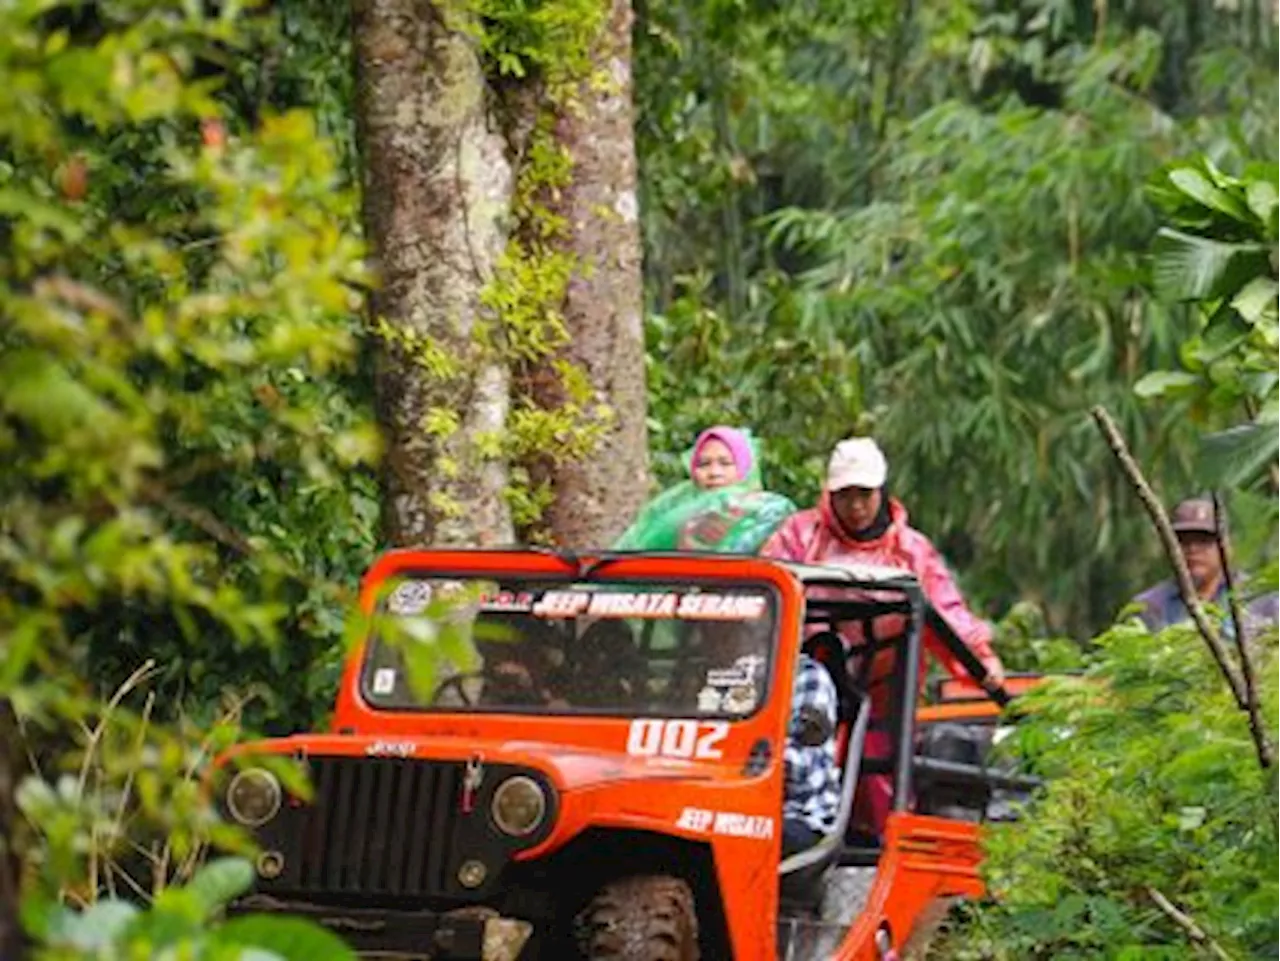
(260, 320)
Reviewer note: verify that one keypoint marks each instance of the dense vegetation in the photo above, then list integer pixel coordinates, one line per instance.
(931, 219)
(959, 224)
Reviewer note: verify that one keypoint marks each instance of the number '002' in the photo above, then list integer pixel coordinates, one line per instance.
(654, 737)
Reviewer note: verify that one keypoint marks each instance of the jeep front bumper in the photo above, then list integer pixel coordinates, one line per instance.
(466, 934)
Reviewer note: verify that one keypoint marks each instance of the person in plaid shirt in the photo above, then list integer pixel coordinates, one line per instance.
(812, 780)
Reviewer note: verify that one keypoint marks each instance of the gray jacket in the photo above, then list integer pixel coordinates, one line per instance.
(1162, 606)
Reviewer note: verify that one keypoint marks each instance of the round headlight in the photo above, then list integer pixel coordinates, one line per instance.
(519, 805)
(253, 797)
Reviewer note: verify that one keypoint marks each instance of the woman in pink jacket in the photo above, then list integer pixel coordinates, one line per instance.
(856, 522)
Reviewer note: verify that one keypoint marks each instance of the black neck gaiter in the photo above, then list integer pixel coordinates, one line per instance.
(878, 526)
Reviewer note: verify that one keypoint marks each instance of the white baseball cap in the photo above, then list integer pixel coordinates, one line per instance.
(856, 462)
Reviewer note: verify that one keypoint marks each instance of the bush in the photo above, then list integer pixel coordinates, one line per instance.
(184, 468)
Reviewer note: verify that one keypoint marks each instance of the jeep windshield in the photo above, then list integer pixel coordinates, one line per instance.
(699, 649)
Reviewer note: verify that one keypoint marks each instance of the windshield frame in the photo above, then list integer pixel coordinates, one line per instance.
(549, 580)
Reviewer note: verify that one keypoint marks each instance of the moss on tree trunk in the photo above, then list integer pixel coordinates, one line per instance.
(594, 497)
(437, 191)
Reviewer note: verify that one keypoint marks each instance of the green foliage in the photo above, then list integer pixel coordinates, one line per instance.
(547, 39)
(1152, 784)
(177, 924)
(1023, 640)
(526, 296)
(239, 320)
(929, 221)
(549, 46)
(1220, 254)
(1155, 796)
(185, 468)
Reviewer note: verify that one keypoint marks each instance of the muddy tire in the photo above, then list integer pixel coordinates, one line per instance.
(649, 918)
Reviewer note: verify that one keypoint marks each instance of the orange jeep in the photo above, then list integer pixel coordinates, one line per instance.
(608, 783)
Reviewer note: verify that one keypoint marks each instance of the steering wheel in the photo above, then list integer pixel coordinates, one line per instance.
(507, 679)
(455, 681)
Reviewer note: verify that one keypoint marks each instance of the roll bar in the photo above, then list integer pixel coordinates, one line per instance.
(977, 670)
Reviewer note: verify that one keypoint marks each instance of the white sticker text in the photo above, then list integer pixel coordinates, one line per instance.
(726, 823)
(654, 737)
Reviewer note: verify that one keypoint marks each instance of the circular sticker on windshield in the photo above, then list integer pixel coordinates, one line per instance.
(409, 598)
(740, 699)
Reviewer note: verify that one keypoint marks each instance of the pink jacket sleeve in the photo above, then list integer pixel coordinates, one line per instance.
(941, 590)
(789, 542)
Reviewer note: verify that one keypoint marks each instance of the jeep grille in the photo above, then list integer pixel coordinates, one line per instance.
(376, 826)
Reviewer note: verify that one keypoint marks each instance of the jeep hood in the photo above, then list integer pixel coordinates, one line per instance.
(570, 767)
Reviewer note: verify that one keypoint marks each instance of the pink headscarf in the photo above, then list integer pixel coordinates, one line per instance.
(732, 438)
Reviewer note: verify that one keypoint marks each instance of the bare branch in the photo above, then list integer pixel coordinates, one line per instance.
(1256, 726)
(1170, 541)
(199, 517)
(133, 681)
(1195, 934)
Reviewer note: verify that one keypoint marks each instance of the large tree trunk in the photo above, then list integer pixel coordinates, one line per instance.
(596, 497)
(437, 189)
(11, 940)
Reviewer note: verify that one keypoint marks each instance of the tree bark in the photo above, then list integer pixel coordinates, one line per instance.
(595, 497)
(12, 943)
(437, 192)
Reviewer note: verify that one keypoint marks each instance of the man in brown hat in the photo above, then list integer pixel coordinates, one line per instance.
(1193, 523)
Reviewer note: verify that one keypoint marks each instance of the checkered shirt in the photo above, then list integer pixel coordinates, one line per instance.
(813, 781)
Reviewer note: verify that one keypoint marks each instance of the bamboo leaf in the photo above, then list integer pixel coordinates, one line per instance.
(1161, 382)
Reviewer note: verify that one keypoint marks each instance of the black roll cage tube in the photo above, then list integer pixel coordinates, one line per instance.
(920, 613)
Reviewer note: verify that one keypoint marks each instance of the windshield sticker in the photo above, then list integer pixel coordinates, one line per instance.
(709, 700)
(744, 671)
(736, 700)
(727, 823)
(561, 604)
(692, 607)
(409, 598)
(740, 700)
(384, 680)
(722, 607)
(519, 602)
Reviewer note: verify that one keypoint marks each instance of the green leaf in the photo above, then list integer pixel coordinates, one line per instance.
(1188, 267)
(43, 392)
(1239, 455)
(1256, 301)
(1196, 185)
(1190, 818)
(219, 881)
(1262, 199)
(1161, 382)
(293, 939)
(91, 929)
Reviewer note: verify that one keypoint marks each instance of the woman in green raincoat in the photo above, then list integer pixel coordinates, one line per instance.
(722, 507)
